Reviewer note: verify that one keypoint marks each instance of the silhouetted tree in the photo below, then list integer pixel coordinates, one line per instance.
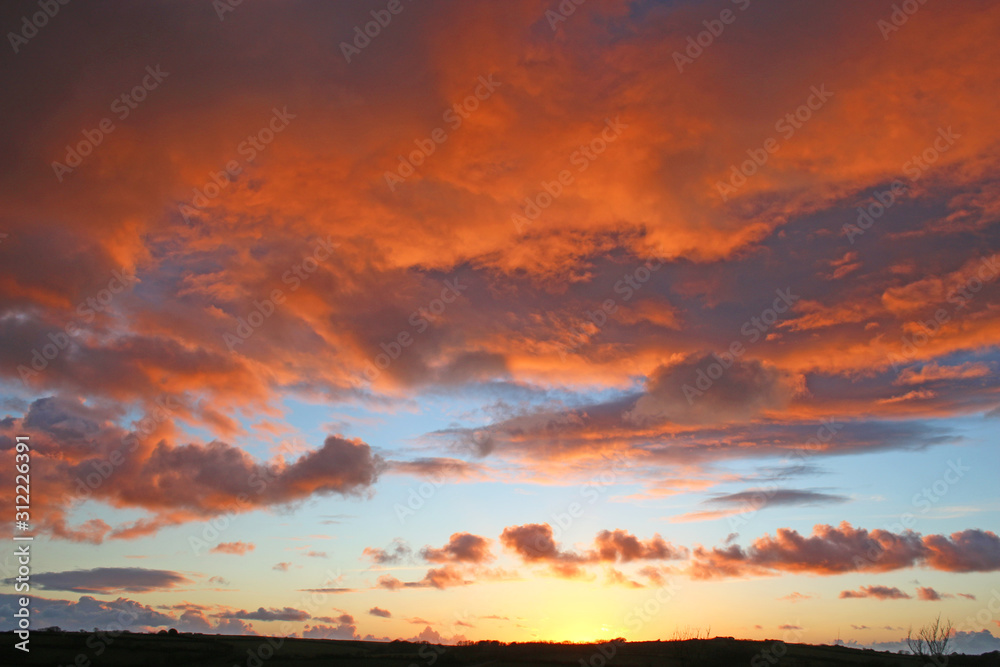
(932, 640)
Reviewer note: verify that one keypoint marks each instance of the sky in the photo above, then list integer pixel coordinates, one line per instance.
(530, 320)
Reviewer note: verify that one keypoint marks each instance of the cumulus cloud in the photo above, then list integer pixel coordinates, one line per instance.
(620, 545)
(382, 613)
(174, 482)
(461, 547)
(967, 642)
(262, 614)
(343, 628)
(965, 551)
(119, 614)
(432, 636)
(443, 577)
(832, 550)
(534, 543)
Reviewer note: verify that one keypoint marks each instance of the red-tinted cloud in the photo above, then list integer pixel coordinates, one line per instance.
(80, 453)
(238, 548)
(443, 577)
(635, 282)
(462, 548)
(619, 545)
(965, 551)
(877, 592)
(832, 550)
(928, 594)
(534, 543)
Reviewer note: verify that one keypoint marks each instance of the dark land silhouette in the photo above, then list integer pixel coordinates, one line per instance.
(83, 649)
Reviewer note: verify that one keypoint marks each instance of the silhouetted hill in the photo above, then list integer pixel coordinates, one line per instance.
(85, 649)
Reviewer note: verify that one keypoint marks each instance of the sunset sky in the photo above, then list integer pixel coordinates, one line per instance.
(504, 320)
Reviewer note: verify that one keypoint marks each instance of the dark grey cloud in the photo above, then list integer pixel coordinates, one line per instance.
(776, 497)
(119, 614)
(396, 552)
(109, 580)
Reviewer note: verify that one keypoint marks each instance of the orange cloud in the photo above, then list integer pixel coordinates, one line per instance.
(237, 548)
